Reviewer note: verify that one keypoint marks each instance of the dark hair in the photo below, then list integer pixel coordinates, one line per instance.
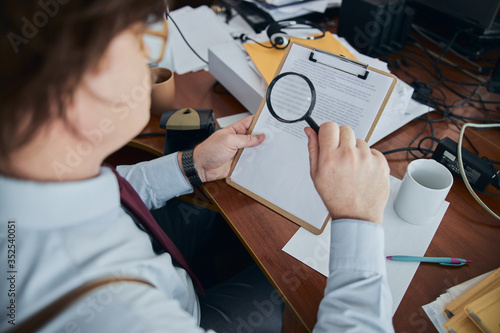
(46, 47)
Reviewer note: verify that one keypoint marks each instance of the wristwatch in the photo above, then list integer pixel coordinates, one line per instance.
(189, 169)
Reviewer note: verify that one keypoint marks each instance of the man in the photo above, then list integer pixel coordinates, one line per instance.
(75, 88)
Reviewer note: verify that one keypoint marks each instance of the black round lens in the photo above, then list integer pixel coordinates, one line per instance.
(291, 97)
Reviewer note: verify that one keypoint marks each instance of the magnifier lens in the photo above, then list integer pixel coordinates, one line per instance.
(290, 98)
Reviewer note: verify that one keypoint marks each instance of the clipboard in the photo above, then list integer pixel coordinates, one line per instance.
(337, 66)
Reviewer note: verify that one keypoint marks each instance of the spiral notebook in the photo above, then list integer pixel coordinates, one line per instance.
(276, 173)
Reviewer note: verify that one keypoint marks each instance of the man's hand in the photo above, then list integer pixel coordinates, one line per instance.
(213, 157)
(351, 178)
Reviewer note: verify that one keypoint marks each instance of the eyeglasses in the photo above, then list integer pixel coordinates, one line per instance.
(153, 41)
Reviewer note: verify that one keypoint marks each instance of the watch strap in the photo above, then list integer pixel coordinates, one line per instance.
(189, 169)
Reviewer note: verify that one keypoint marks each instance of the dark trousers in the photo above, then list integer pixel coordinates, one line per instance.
(238, 297)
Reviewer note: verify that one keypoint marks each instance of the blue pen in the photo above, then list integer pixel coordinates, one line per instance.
(446, 261)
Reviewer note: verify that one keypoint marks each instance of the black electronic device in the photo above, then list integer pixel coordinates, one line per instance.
(479, 15)
(256, 17)
(280, 38)
(375, 27)
(470, 28)
(479, 173)
(186, 128)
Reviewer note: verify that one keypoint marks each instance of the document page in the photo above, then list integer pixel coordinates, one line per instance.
(277, 171)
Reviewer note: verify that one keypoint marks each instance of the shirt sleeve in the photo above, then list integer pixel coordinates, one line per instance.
(357, 297)
(156, 181)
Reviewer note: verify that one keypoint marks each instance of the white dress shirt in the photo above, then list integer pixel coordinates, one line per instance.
(72, 232)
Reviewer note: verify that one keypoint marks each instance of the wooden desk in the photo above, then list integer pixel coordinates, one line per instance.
(466, 230)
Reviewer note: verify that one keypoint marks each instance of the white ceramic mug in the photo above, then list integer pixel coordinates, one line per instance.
(423, 190)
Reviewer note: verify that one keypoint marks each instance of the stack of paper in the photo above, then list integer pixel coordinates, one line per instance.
(464, 313)
(287, 9)
(449, 311)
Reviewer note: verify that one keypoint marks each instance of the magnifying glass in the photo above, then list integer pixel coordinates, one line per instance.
(291, 98)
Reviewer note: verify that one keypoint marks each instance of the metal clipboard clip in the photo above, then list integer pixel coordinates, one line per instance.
(340, 63)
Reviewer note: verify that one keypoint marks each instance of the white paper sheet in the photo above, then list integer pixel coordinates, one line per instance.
(401, 238)
(278, 169)
(202, 29)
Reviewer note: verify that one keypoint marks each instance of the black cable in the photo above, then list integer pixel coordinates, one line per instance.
(432, 137)
(438, 76)
(437, 105)
(417, 62)
(406, 149)
(471, 100)
(488, 193)
(244, 38)
(464, 118)
(184, 38)
(426, 93)
(436, 39)
(467, 99)
(490, 161)
(449, 45)
(429, 58)
(407, 73)
(423, 151)
(416, 137)
(431, 149)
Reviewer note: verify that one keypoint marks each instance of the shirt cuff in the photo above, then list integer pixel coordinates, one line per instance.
(157, 180)
(166, 177)
(357, 245)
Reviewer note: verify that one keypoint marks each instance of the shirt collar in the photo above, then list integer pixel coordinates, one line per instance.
(51, 205)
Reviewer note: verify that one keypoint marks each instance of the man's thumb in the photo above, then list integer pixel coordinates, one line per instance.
(252, 140)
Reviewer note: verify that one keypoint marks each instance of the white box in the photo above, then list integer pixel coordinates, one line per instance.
(228, 63)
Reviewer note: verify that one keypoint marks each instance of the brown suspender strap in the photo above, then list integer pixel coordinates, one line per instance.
(42, 317)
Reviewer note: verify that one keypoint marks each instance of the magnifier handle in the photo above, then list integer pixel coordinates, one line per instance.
(313, 124)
